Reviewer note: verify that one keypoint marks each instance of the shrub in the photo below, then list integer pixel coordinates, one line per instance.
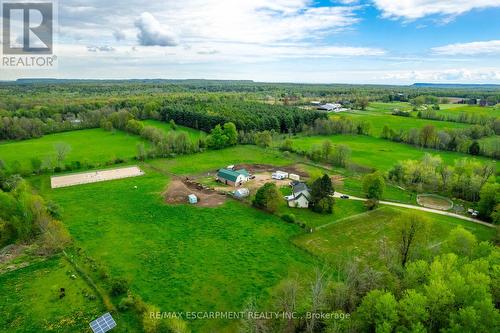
(289, 218)
(126, 303)
(118, 287)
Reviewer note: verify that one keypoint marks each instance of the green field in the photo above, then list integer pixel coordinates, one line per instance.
(181, 258)
(215, 159)
(92, 146)
(379, 120)
(378, 153)
(31, 302)
(361, 234)
(167, 128)
(455, 109)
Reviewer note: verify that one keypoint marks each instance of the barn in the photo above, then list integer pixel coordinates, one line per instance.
(233, 177)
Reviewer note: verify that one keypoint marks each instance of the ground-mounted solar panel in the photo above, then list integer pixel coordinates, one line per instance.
(103, 324)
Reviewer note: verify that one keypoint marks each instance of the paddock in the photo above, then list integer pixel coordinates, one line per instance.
(94, 176)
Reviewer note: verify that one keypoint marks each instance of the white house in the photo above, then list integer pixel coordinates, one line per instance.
(300, 196)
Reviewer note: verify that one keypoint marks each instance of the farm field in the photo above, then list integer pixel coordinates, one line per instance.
(378, 153)
(379, 120)
(167, 128)
(180, 248)
(360, 235)
(455, 109)
(90, 145)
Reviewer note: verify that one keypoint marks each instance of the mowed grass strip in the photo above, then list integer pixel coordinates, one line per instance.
(361, 234)
(181, 258)
(378, 153)
(90, 145)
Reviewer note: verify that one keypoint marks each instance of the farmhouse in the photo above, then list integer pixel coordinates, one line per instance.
(233, 177)
(300, 196)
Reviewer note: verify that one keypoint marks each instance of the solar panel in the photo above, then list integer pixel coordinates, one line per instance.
(103, 323)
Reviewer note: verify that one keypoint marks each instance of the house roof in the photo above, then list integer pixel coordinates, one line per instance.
(231, 175)
(299, 187)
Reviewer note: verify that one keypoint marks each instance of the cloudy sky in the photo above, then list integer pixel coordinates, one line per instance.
(344, 41)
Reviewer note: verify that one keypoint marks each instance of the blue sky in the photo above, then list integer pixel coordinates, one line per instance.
(344, 41)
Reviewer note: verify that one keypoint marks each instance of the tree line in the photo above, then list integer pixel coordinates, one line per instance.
(463, 140)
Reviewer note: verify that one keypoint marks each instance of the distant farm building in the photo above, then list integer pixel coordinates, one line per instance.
(300, 196)
(330, 107)
(233, 177)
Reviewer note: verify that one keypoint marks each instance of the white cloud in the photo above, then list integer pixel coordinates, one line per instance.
(415, 9)
(448, 75)
(151, 32)
(472, 48)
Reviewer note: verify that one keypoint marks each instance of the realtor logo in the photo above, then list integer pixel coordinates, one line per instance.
(27, 28)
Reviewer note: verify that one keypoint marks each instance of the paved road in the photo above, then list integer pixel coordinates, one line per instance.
(424, 209)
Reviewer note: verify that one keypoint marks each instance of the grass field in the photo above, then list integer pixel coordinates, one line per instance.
(455, 109)
(30, 299)
(379, 120)
(181, 258)
(167, 128)
(378, 153)
(91, 145)
(215, 159)
(360, 235)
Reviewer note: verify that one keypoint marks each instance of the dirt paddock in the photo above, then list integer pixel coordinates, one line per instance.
(178, 191)
(94, 176)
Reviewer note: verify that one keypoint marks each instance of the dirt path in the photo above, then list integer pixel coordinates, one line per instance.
(177, 193)
(424, 209)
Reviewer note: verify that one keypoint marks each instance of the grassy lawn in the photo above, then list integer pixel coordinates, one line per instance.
(360, 235)
(166, 127)
(181, 258)
(91, 145)
(378, 153)
(342, 209)
(30, 299)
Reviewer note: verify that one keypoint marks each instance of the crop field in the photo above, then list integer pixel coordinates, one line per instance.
(181, 258)
(167, 128)
(361, 234)
(91, 145)
(378, 153)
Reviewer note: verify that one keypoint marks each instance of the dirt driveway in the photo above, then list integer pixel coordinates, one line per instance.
(178, 191)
